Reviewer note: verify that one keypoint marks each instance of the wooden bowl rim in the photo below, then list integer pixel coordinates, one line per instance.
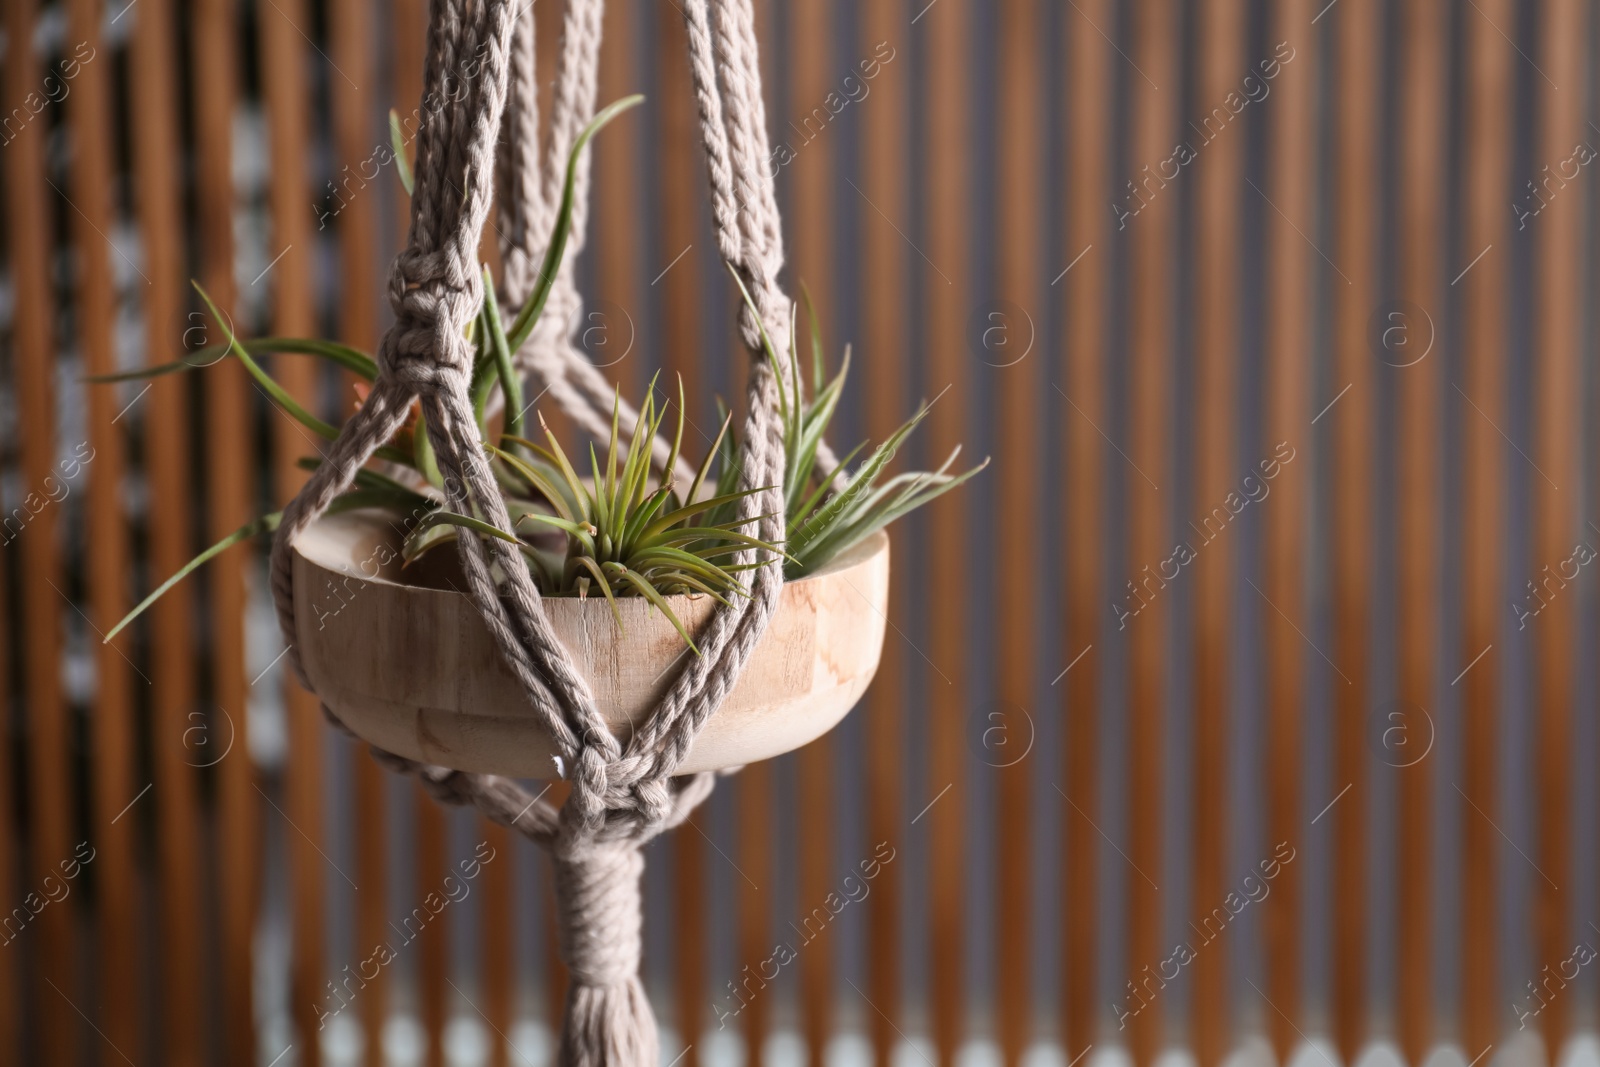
(319, 552)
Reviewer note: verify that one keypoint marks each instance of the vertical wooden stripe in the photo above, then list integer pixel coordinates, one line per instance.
(1286, 440)
(498, 999)
(172, 659)
(1491, 60)
(555, 972)
(1557, 442)
(613, 340)
(1416, 588)
(229, 488)
(1149, 540)
(1219, 173)
(691, 888)
(1350, 545)
(39, 572)
(681, 191)
(286, 72)
(433, 957)
(1016, 465)
(11, 1005)
(809, 213)
(111, 728)
(945, 34)
(879, 61)
(1088, 89)
(357, 135)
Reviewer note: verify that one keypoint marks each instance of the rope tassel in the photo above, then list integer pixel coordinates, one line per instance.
(600, 915)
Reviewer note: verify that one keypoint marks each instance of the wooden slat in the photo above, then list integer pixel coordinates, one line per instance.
(1016, 465)
(1491, 59)
(112, 730)
(11, 984)
(1351, 506)
(1416, 588)
(943, 283)
(498, 1001)
(1151, 233)
(39, 573)
(356, 132)
(809, 210)
(614, 218)
(1287, 422)
(172, 652)
(1088, 92)
(885, 149)
(1558, 441)
(690, 889)
(1219, 173)
(681, 189)
(227, 427)
(433, 957)
(286, 72)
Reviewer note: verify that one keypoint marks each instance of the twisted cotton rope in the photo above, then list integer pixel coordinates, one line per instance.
(620, 797)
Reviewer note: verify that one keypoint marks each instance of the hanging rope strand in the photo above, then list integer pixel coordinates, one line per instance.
(621, 796)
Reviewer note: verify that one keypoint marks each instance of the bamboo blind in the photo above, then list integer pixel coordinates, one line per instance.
(1140, 253)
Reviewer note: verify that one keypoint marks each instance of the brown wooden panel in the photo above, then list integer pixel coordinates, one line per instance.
(1287, 422)
(809, 210)
(227, 427)
(1016, 467)
(172, 650)
(690, 885)
(498, 916)
(1350, 543)
(755, 942)
(433, 957)
(885, 149)
(39, 572)
(286, 71)
(945, 34)
(1088, 91)
(112, 730)
(1220, 176)
(1416, 588)
(11, 1006)
(1491, 61)
(1558, 402)
(1151, 233)
(352, 79)
(615, 218)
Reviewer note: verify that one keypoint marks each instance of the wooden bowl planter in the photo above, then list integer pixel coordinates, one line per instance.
(408, 664)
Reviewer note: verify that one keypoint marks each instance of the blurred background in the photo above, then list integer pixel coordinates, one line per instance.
(1245, 708)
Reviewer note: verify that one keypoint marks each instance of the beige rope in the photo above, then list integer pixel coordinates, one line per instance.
(620, 797)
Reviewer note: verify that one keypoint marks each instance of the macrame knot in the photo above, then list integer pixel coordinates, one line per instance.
(433, 295)
(599, 911)
(773, 307)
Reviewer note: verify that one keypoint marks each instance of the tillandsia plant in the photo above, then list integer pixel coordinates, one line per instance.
(622, 530)
(828, 512)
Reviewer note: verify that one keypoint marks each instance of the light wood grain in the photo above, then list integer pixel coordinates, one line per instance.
(414, 669)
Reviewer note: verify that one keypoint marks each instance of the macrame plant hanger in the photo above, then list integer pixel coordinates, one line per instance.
(479, 84)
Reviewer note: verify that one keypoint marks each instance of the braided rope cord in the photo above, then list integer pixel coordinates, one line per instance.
(479, 56)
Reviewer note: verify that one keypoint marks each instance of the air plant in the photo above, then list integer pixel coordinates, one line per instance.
(621, 531)
(827, 513)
